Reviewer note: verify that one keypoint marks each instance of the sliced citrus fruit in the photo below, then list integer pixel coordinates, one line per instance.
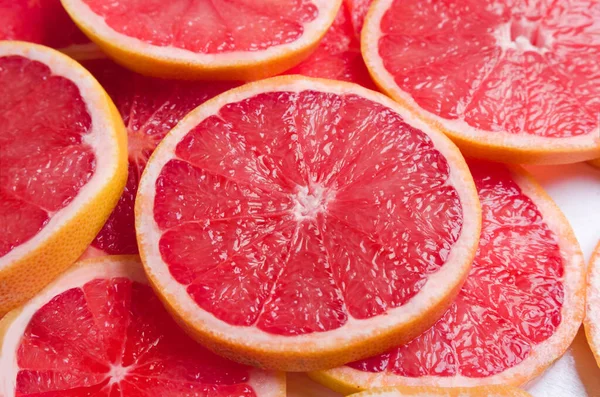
(63, 165)
(206, 39)
(99, 330)
(338, 56)
(149, 107)
(518, 311)
(592, 318)
(482, 391)
(512, 81)
(288, 223)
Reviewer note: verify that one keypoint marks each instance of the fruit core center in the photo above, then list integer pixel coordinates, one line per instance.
(117, 373)
(311, 201)
(140, 145)
(525, 35)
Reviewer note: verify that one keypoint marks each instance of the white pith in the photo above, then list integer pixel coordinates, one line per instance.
(102, 138)
(523, 141)
(98, 25)
(592, 320)
(266, 384)
(542, 354)
(435, 290)
(309, 204)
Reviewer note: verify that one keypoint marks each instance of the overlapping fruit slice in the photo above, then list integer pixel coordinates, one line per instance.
(484, 391)
(297, 223)
(518, 311)
(149, 107)
(592, 318)
(62, 166)
(207, 39)
(99, 330)
(509, 81)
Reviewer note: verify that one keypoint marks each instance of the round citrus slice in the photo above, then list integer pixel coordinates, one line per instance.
(99, 330)
(204, 39)
(518, 311)
(294, 223)
(592, 318)
(483, 391)
(63, 165)
(507, 81)
(149, 107)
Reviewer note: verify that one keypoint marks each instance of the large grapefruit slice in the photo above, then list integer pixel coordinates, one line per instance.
(592, 318)
(206, 39)
(99, 330)
(512, 81)
(483, 391)
(149, 107)
(63, 165)
(518, 311)
(295, 223)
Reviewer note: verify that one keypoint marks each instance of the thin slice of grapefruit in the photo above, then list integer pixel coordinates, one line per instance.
(518, 311)
(63, 165)
(511, 81)
(99, 330)
(206, 39)
(295, 223)
(149, 107)
(483, 391)
(592, 318)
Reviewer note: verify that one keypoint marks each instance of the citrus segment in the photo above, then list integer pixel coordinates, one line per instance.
(483, 391)
(507, 81)
(206, 39)
(62, 164)
(254, 218)
(100, 330)
(592, 318)
(517, 312)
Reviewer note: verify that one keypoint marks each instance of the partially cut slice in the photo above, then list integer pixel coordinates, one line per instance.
(510, 81)
(518, 311)
(592, 318)
(63, 165)
(295, 223)
(483, 391)
(206, 39)
(100, 331)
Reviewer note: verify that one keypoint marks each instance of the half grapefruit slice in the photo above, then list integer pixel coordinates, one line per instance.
(99, 330)
(518, 311)
(507, 81)
(592, 319)
(149, 107)
(295, 223)
(484, 391)
(204, 39)
(63, 165)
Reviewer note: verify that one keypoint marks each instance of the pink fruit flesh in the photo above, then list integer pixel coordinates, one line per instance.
(529, 67)
(292, 212)
(45, 161)
(112, 337)
(209, 26)
(150, 108)
(511, 301)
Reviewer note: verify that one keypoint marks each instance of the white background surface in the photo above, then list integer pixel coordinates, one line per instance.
(576, 190)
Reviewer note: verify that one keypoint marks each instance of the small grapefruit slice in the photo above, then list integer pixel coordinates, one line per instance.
(294, 223)
(149, 107)
(63, 165)
(99, 330)
(483, 391)
(592, 318)
(507, 81)
(518, 311)
(206, 39)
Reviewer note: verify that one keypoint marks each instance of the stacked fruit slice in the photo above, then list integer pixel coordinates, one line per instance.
(592, 319)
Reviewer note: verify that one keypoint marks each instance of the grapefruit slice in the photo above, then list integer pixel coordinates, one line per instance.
(206, 39)
(338, 56)
(507, 81)
(99, 330)
(288, 223)
(592, 319)
(149, 107)
(518, 311)
(484, 391)
(63, 165)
